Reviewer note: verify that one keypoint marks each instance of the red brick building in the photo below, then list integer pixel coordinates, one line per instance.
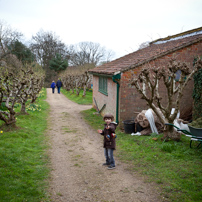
(112, 91)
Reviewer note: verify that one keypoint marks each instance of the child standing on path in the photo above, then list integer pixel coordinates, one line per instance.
(109, 140)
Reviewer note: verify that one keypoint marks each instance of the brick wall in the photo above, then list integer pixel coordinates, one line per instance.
(130, 99)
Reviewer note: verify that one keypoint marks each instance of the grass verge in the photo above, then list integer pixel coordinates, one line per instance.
(23, 159)
(172, 166)
(79, 99)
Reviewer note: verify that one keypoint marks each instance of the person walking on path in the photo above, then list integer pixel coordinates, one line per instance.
(53, 86)
(109, 140)
(59, 85)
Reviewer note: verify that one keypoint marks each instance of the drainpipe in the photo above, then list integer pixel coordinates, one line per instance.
(115, 77)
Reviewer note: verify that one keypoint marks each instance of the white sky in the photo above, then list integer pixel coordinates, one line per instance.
(119, 25)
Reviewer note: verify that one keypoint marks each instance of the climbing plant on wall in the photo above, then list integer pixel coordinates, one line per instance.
(197, 93)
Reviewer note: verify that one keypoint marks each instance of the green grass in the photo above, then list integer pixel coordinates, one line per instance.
(79, 99)
(23, 159)
(172, 166)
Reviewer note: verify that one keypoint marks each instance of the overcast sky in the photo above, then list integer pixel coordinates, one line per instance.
(118, 25)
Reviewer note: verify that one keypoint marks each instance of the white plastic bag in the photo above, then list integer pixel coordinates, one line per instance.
(150, 118)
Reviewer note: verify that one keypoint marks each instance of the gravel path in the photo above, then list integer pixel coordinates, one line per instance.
(76, 155)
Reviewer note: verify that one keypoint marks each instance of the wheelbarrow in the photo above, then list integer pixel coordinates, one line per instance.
(195, 133)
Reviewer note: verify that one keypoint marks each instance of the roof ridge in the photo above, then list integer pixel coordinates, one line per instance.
(178, 35)
(163, 53)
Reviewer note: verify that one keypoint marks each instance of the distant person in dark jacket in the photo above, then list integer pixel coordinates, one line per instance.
(53, 86)
(59, 85)
(109, 140)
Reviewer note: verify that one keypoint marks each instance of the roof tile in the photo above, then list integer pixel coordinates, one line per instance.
(156, 49)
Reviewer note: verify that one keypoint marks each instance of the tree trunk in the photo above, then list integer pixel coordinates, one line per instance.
(23, 108)
(171, 134)
(78, 91)
(33, 99)
(11, 120)
(84, 91)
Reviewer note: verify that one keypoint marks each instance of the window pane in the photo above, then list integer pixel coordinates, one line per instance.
(103, 85)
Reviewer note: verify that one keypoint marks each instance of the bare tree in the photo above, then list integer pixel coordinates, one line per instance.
(34, 83)
(77, 78)
(68, 81)
(7, 37)
(88, 53)
(10, 89)
(147, 84)
(17, 88)
(46, 45)
(86, 80)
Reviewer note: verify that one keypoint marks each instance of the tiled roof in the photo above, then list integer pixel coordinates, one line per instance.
(156, 49)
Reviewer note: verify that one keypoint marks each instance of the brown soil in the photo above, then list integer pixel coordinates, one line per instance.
(77, 155)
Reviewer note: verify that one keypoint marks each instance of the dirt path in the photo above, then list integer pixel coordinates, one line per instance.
(76, 158)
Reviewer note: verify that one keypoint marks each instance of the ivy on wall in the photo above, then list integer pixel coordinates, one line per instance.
(197, 93)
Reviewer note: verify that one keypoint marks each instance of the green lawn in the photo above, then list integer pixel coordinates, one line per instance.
(79, 99)
(23, 159)
(173, 166)
(24, 166)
